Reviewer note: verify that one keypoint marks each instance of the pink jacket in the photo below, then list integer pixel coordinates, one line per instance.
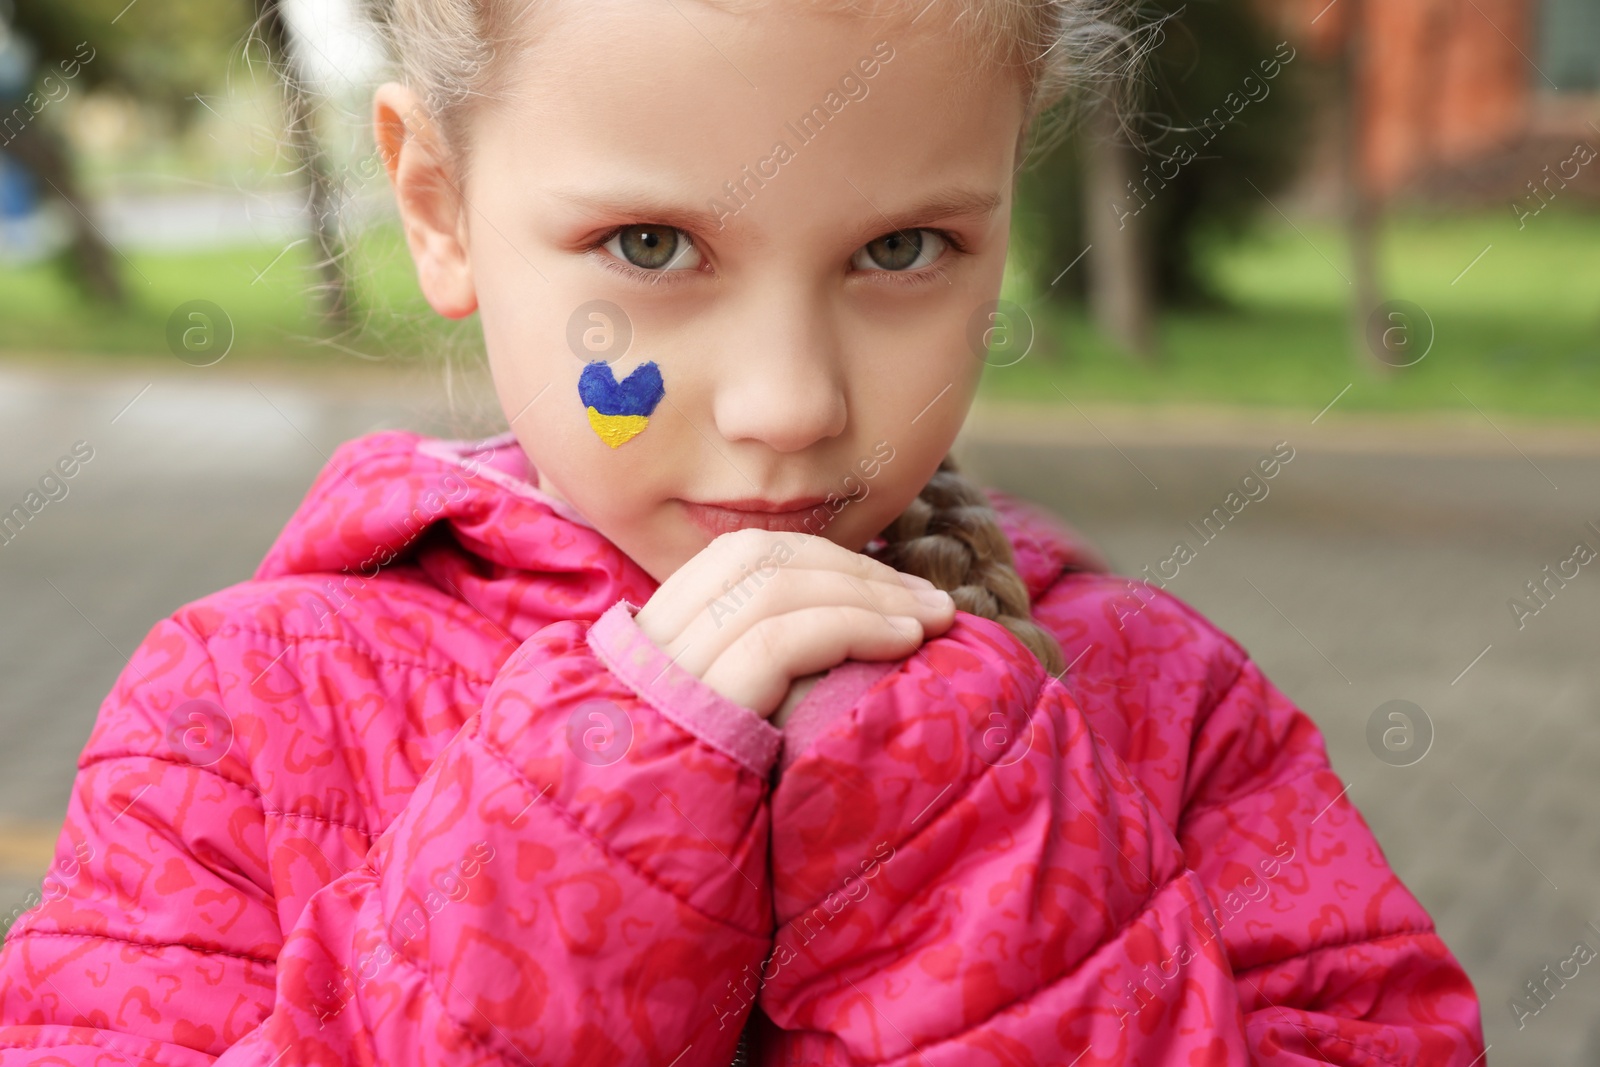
(422, 792)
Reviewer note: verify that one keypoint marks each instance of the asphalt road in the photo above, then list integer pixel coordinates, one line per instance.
(1378, 567)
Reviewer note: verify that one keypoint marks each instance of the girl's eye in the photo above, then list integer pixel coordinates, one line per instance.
(654, 248)
(903, 250)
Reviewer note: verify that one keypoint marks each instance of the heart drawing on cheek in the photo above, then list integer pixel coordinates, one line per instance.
(618, 411)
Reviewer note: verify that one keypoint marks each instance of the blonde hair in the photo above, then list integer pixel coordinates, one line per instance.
(950, 534)
(453, 53)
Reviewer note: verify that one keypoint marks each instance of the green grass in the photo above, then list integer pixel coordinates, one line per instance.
(267, 292)
(1518, 333)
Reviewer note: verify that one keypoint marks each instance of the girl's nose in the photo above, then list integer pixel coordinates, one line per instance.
(783, 382)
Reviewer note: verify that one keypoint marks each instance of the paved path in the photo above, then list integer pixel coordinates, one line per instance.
(1378, 567)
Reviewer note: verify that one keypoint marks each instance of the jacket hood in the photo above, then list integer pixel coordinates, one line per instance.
(471, 515)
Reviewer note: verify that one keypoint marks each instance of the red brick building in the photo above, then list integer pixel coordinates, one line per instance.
(1470, 97)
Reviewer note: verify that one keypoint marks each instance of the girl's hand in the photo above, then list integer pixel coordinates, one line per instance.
(756, 609)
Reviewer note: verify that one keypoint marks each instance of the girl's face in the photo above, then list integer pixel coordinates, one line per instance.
(797, 218)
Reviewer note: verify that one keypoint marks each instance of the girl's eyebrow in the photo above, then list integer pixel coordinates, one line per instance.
(953, 203)
(949, 203)
(643, 206)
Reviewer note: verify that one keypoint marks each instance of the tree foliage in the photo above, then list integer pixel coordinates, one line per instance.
(1195, 172)
(161, 51)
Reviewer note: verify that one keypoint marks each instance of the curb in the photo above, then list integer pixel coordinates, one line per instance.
(1448, 433)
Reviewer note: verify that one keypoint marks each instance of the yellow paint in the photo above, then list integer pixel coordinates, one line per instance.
(617, 430)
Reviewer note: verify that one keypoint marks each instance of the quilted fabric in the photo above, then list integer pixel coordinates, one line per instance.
(421, 792)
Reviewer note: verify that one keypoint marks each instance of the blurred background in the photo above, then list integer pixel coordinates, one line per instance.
(1369, 230)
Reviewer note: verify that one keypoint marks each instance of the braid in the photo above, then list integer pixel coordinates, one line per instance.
(950, 535)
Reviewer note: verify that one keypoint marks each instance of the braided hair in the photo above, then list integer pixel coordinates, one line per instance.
(950, 535)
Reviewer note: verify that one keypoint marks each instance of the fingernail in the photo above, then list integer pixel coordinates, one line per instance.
(914, 581)
(934, 598)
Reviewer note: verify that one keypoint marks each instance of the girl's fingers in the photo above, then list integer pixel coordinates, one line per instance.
(728, 618)
(743, 560)
(757, 669)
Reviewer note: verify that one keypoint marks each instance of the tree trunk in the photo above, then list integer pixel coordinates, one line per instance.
(38, 149)
(323, 206)
(1362, 210)
(1119, 262)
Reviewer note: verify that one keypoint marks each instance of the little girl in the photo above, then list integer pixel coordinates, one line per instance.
(516, 752)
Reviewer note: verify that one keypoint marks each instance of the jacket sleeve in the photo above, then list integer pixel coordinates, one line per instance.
(538, 900)
(1333, 959)
(964, 874)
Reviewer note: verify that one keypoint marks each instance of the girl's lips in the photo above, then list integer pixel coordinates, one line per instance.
(717, 519)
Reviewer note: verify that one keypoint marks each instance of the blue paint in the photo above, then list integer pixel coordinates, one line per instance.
(637, 394)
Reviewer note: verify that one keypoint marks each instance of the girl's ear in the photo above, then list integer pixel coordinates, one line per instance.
(430, 201)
